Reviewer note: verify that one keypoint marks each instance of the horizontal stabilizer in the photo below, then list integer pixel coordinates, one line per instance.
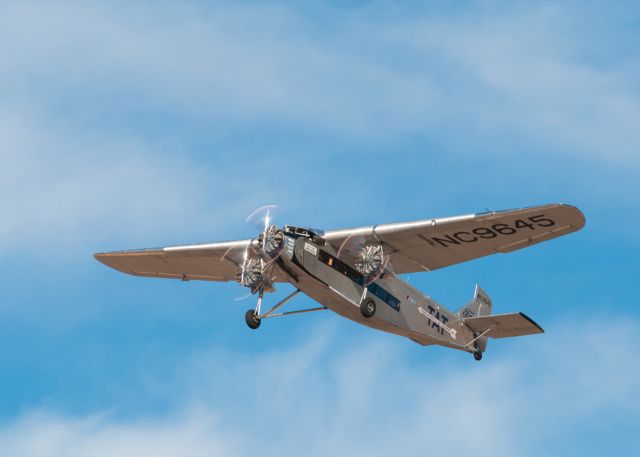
(503, 325)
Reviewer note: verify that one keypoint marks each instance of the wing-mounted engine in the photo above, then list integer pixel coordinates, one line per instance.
(255, 274)
(257, 268)
(370, 260)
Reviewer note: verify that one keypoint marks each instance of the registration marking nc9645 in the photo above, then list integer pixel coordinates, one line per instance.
(532, 223)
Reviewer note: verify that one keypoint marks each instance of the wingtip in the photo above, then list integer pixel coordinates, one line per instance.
(532, 321)
(102, 257)
(581, 220)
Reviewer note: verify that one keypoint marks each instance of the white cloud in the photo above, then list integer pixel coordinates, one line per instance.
(62, 189)
(40, 435)
(57, 188)
(75, 75)
(328, 397)
(527, 74)
(378, 74)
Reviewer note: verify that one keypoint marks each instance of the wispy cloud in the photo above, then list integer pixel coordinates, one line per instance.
(62, 189)
(83, 83)
(41, 435)
(373, 399)
(127, 126)
(66, 188)
(377, 74)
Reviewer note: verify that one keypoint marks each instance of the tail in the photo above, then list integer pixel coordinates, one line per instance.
(480, 306)
(476, 315)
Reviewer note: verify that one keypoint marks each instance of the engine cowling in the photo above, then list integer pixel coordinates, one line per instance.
(252, 274)
(370, 260)
(272, 240)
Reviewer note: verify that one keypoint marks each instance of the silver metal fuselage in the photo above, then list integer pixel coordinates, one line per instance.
(314, 268)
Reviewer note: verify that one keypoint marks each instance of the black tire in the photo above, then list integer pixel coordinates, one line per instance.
(477, 355)
(252, 320)
(368, 308)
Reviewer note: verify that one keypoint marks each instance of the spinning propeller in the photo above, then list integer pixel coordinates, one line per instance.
(367, 257)
(258, 263)
(256, 270)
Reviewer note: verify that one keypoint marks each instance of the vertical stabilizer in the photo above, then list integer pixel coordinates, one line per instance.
(478, 307)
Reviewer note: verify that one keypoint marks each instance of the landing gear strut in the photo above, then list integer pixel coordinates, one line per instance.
(253, 317)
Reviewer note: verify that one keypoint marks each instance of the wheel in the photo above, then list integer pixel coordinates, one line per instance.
(477, 355)
(252, 320)
(368, 308)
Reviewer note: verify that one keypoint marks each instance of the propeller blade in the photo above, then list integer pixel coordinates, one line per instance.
(256, 215)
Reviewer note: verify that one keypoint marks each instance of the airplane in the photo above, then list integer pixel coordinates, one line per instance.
(354, 272)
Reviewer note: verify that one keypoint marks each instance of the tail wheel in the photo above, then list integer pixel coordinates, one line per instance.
(368, 308)
(252, 319)
(477, 354)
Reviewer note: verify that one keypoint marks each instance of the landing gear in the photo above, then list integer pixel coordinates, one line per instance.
(477, 353)
(368, 308)
(252, 319)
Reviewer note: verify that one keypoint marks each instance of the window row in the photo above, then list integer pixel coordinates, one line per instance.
(358, 278)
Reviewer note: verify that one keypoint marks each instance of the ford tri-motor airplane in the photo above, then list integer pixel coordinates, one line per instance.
(353, 272)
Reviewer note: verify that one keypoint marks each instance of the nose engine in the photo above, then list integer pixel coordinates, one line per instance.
(271, 241)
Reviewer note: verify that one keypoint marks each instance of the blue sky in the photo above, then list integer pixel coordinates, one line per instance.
(168, 122)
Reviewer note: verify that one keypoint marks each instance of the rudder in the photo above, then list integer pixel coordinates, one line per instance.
(481, 305)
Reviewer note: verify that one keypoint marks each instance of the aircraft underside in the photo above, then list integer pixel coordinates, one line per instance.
(356, 272)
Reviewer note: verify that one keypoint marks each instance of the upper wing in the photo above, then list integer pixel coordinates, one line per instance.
(503, 325)
(436, 243)
(212, 262)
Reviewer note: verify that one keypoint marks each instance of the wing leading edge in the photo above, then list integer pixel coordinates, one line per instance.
(436, 243)
(209, 262)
